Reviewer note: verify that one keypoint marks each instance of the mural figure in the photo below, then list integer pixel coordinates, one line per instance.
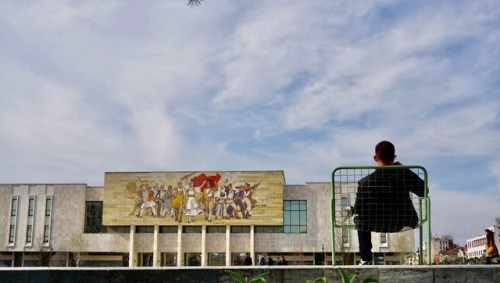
(148, 206)
(135, 194)
(220, 198)
(191, 204)
(247, 198)
(178, 202)
(166, 202)
(233, 208)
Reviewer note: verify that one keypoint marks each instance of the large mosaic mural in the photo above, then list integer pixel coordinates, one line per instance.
(207, 197)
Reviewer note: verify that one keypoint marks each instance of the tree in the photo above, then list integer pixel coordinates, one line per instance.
(341, 245)
(402, 248)
(193, 3)
(79, 246)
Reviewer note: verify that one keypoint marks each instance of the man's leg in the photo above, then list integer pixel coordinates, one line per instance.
(365, 245)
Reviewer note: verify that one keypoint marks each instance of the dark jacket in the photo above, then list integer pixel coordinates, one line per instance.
(248, 261)
(383, 202)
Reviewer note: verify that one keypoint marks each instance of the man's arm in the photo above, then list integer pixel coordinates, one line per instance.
(416, 184)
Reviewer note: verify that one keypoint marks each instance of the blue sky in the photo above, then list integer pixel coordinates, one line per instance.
(88, 87)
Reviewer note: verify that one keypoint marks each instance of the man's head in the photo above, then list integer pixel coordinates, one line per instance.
(384, 153)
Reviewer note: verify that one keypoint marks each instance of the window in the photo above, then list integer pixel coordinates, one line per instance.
(383, 238)
(118, 229)
(13, 208)
(295, 216)
(345, 236)
(193, 259)
(217, 259)
(269, 229)
(191, 229)
(48, 206)
(169, 229)
(343, 202)
(216, 229)
(12, 233)
(240, 229)
(46, 233)
(31, 207)
(93, 217)
(144, 229)
(29, 234)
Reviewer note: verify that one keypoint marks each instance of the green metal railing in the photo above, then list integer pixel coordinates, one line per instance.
(346, 177)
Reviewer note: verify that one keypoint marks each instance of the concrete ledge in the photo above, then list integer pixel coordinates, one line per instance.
(292, 274)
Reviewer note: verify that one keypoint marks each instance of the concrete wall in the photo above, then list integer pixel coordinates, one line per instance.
(459, 274)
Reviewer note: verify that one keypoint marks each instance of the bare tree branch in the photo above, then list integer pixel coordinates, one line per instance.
(193, 3)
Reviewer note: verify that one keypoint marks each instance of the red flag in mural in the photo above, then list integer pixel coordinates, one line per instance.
(203, 181)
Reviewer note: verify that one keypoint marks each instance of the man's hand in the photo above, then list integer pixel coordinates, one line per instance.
(348, 211)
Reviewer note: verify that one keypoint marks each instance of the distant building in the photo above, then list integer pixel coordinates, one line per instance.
(125, 222)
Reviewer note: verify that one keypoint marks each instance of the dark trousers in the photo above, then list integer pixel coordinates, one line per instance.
(365, 245)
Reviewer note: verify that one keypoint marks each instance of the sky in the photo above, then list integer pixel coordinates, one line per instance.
(88, 87)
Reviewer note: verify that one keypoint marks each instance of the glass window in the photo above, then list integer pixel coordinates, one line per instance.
(29, 234)
(12, 233)
(295, 216)
(31, 207)
(383, 238)
(217, 259)
(238, 258)
(191, 229)
(343, 202)
(118, 229)
(269, 229)
(145, 229)
(93, 217)
(48, 206)
(13, 209)
(168, 259)
(345, 236)
(240, 229)
(46, 233)
(169, 229)
(216, 229)
(193, 259)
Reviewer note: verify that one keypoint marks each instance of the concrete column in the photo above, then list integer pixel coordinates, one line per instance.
(131, 248)
(179, 245)
(156, 262)
(228, 245)
(252, 244)
(204, 245)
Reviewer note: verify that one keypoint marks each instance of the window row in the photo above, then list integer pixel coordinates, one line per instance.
(31, 206)
(29, 234)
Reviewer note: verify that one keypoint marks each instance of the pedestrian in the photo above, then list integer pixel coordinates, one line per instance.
(262, 260)
(248, 260)
(491, 247)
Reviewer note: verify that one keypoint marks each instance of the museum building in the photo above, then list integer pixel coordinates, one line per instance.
(158, 219)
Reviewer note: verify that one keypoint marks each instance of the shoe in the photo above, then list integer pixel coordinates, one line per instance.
(348, 211)
(365, 262)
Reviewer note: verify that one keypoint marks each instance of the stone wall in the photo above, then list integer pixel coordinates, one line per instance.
(291, 274)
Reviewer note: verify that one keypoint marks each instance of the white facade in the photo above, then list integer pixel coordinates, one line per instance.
(50, 219)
